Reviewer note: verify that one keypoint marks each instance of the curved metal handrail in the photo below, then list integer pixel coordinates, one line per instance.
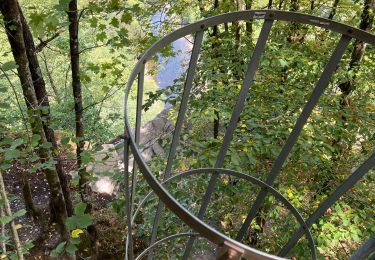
(148, 249)
(249, 178)
(131, 140)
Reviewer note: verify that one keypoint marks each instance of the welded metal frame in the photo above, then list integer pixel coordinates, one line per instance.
(195, 222)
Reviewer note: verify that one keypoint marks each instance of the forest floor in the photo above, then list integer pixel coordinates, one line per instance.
(107, 222)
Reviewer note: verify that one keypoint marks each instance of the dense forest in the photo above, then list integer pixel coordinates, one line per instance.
(64, 66)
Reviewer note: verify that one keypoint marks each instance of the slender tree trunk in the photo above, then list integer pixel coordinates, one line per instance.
(293, 35)
(8, 212)
(334, 9)
(294, 5)
(367, 20)
(216, 124)
(13, 27)
(269, 5)
(237, 29)
(359, 48)
(3, 244)
(237, 42)
(249, 24)
(85, 190)
(280, 4)
(312, 5)
(42, 97)
(50, 78)
(77, 94)
(214, 46)
(27, 196)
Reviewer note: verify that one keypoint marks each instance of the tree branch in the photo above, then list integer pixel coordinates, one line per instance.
(43, 43)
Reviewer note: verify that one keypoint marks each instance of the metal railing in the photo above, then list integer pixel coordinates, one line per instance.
(230, 248)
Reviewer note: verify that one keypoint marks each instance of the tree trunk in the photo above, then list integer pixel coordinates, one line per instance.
(42, 97)
(85, 190)
(237, 29)
(50, 78)
(27, 196)
(8, 213)
(77, 94)
(294, 5)
(367, 20)
(269, 5)
(293, 35)
(214, 46)
(249, 24)
(3, 244)
(312, 5)
(334, 9)
(13, 27)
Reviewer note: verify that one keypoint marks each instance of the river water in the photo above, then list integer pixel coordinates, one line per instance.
(171, 68)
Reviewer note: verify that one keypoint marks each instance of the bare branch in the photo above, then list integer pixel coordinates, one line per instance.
(43, 43)
(93, 47)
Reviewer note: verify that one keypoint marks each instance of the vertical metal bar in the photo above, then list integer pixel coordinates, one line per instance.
(180, 119)
(365, 250)
(307, 110)
(138, 121)
(343, 188)
(129, 239)
(248, 81)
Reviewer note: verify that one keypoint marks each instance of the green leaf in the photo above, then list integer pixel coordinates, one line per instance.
(71, 222)
(16, 143)
(75, 240)
(35, 139)
(283, 63)
(36, 19)
(47, 145)
(119, 146)
(84, 221)
(20, 213)
(101, 36)
(5, 219)
(126, 18)
(62, 5)
(93, 22)
(58, 250)
(71, 249)
(79, 208)
(105, 89)
(4, 239)
(86, 157)
(10, 65)
(65, 140)
(114, 22)
(12, 154)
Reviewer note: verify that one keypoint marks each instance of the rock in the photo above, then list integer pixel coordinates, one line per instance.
(150, 134)
(155, 128)
(109, 160)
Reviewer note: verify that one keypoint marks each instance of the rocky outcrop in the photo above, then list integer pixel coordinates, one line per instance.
(107, 163)
(151, 132)
(109, 160)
